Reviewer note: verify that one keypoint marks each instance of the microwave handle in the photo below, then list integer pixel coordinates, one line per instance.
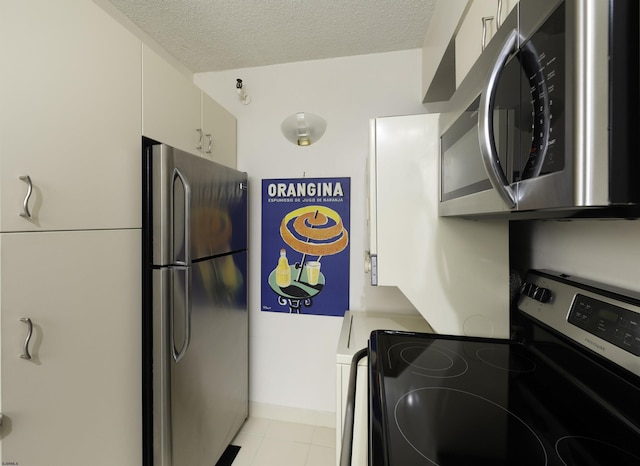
(485, 124)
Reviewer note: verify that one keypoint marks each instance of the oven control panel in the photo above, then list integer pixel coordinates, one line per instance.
(602, 318)
(612, 323)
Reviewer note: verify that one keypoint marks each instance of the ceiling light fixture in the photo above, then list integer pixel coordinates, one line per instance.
(303, 128)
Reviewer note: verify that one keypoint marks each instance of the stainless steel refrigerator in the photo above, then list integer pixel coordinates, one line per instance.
(195, 317)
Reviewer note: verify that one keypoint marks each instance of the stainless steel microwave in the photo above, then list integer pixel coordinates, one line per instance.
(546, 123)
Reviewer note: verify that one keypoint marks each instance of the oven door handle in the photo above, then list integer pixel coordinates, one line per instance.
(485, 124)
(347, 431)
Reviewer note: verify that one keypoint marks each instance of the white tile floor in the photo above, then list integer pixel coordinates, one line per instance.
(266, 442)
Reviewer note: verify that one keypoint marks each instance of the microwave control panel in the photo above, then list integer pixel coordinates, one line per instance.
(542, 59)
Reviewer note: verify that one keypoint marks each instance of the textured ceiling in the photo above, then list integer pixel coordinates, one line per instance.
(215, 35)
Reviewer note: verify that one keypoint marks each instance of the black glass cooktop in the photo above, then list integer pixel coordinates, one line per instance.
(446, 400)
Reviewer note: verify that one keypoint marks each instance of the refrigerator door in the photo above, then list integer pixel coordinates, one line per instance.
(198, 207)
(200, 398)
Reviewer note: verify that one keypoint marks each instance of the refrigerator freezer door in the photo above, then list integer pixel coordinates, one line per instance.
(196, 203)
(203, 398)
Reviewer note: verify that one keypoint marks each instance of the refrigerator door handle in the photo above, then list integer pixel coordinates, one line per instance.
(177, 174)
(178, 354)
(186, 263)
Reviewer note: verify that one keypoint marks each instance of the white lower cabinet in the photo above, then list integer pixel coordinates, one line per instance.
(76, 402)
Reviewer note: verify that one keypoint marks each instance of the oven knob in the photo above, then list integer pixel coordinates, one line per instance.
(528, 289)
(543, 295)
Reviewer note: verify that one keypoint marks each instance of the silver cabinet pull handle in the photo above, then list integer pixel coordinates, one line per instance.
(210, 142)
(499, 15)
(485, 20)
(25, 351)
(199, 130)
(25, 204)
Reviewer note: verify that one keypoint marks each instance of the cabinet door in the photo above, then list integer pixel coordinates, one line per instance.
(170, 105)
(220, 132)
(70, 117)
(438, 57)
(77, 400)
(469, 37)
(468, 41)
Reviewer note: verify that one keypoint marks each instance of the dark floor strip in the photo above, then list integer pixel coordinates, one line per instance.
(228, 456)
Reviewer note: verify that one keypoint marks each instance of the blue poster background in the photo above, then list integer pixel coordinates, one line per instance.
(308, 218)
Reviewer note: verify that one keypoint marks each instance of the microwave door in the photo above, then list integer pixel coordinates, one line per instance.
(465, 188)
(546, 175)
(537, 120)
(479, 134)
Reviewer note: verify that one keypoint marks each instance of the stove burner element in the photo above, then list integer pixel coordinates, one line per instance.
(437, 360)
(429, 360)
(586, 451)
(503, 358)
(462, 433)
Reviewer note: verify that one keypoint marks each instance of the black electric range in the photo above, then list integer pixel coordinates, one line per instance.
(564, 391)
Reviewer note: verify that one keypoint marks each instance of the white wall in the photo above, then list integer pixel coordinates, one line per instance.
(292, 357)
(607, 251)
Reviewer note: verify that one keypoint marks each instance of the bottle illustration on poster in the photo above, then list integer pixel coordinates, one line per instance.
(305, 246)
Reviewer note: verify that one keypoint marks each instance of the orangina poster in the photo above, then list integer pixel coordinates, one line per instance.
(305, 246)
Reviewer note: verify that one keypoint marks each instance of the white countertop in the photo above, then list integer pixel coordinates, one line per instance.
(358, 325)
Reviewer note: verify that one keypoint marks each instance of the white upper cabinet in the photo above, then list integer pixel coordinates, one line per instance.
(477, 27)
(70, 117)
(220, 129)
(438, 51)
(176, 112)
(170, 105)
(453, 42)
